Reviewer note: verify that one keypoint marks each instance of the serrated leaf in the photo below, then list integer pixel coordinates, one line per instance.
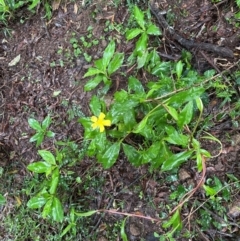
(93, 83)
(54, 181)
(39, 167)
(15, 61)
(86, 214)
(110, 156)
(93, 71)
(132, 33)
(139, 16)
(115, 63)
(34, 124)
(108, 54)
(36, 202)
(152, 29)
(95, 105)
(47, 156)
(46, 122)
(57, 210)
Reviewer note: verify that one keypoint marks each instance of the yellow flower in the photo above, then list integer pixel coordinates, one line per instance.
(100, 122)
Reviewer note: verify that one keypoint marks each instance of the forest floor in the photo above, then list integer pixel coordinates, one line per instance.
(47, 78)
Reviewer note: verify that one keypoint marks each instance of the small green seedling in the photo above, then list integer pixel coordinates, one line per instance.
(144, 30)
(104, 68)
(47, 198)
(41, 130)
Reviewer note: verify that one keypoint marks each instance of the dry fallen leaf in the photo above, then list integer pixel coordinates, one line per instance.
(15, 61)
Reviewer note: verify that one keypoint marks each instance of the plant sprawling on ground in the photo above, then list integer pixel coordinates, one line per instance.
(158, 124)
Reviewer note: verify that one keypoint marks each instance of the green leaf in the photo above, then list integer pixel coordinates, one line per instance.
(2, 199)
(57, 210)
(86, 214)
(67, 229)
(177, 139)
(199, 104)
(132, 154)
(141, 60)
(110, 156)
(174, 221)
(176, 160)
(47, 208)
(36, 202)
(108, 54)
(152, 29)
(132, 33)
(33, 4)
(185, 115)
(47, 156)
(141, 45)
(37, 137)
(34, 124)
(54, 181)
(46, 122)
(95, 105)
(50, 134)
(182, 97)
(209, 190)
(39, 167)
(93, 71)
(135, 85)
(115, 63)
(238, 2)
(99, 64)
(139, 16)
(172, 112)
(141, 125)
(123, 234)
(179, 69)
(93, 83)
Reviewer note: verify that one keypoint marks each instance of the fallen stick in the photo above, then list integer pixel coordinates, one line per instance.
(188, 44)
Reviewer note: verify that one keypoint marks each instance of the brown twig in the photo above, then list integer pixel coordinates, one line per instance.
(188, 44)
(188, 195)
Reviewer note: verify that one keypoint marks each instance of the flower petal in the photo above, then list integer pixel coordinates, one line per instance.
(106, 122)
(94, 119)
(101, 128)
(101, 116)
